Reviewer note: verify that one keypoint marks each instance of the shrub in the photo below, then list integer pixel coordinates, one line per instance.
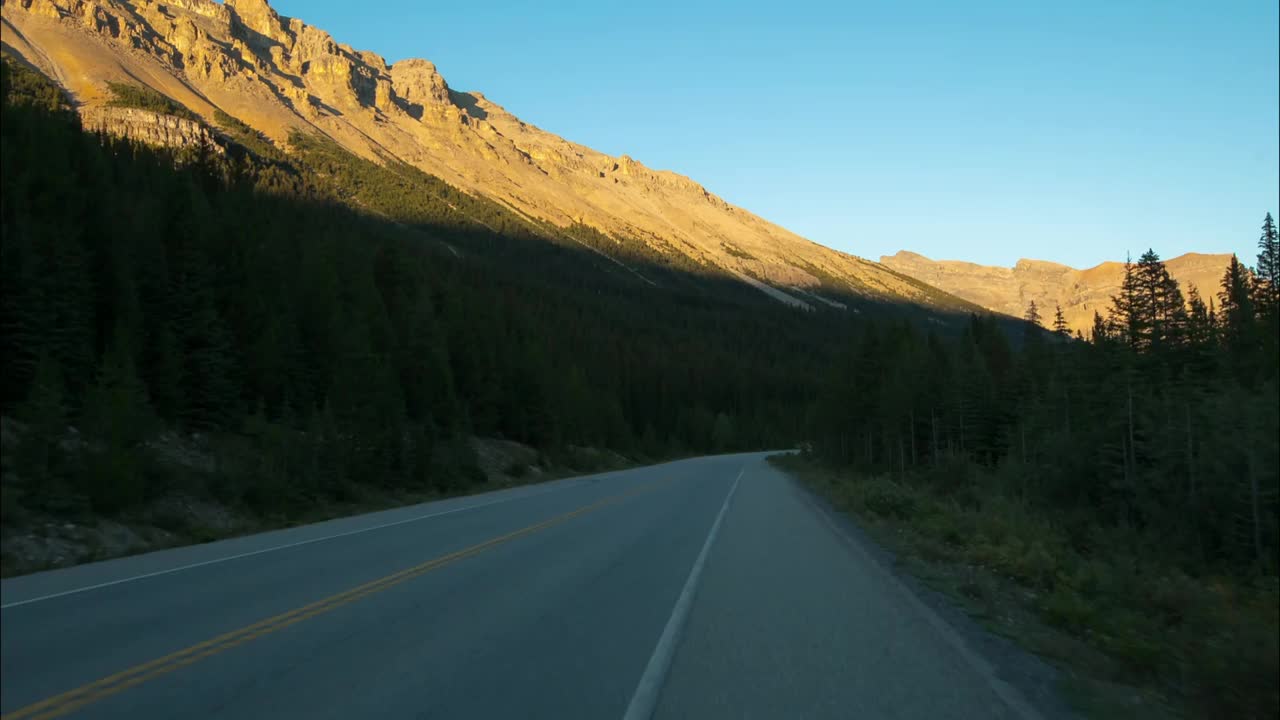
(952, 528)
(1068, 609)
(1139, 648)
(888, 499)
(932, 550)
(1037, 566)
(113, 479)
(952, 478)
(1229, 655)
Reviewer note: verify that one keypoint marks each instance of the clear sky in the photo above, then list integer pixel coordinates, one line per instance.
(974, 130)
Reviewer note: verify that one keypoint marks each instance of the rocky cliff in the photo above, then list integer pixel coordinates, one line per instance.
(149, 127)
(279, 74)
(1078, 292)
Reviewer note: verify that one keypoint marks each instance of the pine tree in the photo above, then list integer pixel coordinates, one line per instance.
(722, 432)
(1201, 333)
(1128, 314)
(1149, 310)
(39, 458)
(1101, 330)
(117, 419)
(1033, 314)
(208, 393)
(1267, 298)
(1060, 327)
(1235, 308)
(1268, 270)
(1162, 302)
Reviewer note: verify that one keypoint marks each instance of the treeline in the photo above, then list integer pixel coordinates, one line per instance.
(232, 295)
(1164, 421)
(1130, 481)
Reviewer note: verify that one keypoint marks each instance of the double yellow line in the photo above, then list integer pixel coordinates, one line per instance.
(73, 700)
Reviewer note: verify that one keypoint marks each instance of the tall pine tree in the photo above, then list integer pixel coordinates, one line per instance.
(1268, 270)
(1060, 327)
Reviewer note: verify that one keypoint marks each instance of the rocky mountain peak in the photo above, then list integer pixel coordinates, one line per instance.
(419, 83)
(1033, 265)
(904, 255)
(259, 16)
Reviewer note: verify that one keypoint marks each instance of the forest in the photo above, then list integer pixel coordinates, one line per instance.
(328, 323)
(1130, 480)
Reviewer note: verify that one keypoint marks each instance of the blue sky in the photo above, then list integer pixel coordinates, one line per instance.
(982, 131)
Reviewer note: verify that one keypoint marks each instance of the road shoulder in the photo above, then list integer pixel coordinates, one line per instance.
(991, 613)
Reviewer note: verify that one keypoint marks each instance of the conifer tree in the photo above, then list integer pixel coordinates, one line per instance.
(1200, 321)
(38, 461)
(1127, 314)
(1100, 331)
(119, 418)
(1161, 304)
(1033, 314)
(1060, 327)
(1268, 270)
(1235, 306)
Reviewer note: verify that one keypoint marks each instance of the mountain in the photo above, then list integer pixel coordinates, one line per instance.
(1079, 292)
(240, 63)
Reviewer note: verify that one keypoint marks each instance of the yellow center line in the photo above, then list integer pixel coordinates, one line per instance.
(72, 700)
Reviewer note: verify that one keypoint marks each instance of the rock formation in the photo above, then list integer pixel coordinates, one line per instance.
(1079, 292)
(149, 127)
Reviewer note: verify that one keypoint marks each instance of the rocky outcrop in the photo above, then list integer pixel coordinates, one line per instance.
(1078, 292)
(149, 127)
(420, 86)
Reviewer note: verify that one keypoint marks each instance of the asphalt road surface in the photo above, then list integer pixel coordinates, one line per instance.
(705, 588)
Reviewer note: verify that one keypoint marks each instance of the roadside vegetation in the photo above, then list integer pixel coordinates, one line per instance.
(1133, 639)
(1122, 490)
(64, 528)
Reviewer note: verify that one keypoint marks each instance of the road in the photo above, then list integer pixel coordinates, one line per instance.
(705, 588)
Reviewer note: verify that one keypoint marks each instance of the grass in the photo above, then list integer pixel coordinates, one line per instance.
(1134, 636)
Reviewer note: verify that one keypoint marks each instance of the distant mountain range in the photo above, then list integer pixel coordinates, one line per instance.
(1079, 292)
(230, 64)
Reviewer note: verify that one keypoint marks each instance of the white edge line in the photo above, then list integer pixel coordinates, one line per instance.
(300, 543)
(1010, 695)
(645, 700)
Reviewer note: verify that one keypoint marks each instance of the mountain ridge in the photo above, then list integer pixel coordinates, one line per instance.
(1080, 292)
(279, 75)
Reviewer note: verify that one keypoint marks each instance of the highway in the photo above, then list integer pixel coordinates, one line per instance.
(705, 588)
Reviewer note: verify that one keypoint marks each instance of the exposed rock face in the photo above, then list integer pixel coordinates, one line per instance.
(149, 127)
(278, 74)
(418, 83)
(1079, 292)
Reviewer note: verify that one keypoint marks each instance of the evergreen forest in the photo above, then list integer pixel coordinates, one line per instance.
(1127, 482)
